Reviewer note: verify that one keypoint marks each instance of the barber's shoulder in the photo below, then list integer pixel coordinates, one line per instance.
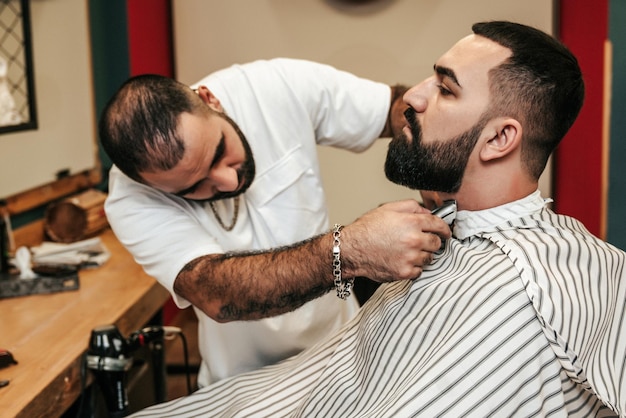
(117, 180)
(120, 185)
(300, 66)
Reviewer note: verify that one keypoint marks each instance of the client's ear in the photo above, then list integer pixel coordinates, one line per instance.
(505, 136)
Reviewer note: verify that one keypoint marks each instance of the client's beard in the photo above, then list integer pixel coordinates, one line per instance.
(438, 166)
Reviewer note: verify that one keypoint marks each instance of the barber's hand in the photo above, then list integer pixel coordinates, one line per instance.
(392, 242)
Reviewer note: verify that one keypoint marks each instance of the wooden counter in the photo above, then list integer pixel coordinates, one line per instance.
(48, 334)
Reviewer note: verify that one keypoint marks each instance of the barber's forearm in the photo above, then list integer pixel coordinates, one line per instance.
(231, 287)
(391, 242)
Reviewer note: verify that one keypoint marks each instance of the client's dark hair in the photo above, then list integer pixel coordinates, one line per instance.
(541, 85)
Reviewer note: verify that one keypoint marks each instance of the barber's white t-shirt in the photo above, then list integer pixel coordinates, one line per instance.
(285, 108)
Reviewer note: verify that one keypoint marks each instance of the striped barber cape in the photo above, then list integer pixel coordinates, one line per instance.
(522, 315)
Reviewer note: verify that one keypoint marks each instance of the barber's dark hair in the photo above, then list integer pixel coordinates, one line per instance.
(138, 126)
(541, 85)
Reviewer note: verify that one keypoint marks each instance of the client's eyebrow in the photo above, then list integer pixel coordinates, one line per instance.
(446, 72)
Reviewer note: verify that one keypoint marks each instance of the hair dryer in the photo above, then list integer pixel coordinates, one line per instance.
(109, 358)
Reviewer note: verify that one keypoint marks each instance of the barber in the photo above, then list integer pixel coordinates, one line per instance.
(216, 191)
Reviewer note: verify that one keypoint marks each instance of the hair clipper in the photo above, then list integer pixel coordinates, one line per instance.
(447, 211)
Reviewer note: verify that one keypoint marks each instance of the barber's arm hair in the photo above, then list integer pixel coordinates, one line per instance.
(254, 285)
(395, 117)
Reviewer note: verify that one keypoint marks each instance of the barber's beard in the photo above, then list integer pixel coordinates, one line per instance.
(438, 166)
(245, 173)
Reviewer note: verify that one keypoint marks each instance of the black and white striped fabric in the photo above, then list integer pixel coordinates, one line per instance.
(523, 314)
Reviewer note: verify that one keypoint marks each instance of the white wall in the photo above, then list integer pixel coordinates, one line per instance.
(65, 138)
(393, 41)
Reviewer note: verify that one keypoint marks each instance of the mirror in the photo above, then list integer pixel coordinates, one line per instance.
(17, 88)
(63, 141)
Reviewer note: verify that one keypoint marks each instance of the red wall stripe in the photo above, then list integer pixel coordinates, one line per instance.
(150, 37)
(578, 160)
(151, 51)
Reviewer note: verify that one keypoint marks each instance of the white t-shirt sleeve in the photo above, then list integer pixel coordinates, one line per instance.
(342, 109)
(346, 111)
(160, 231)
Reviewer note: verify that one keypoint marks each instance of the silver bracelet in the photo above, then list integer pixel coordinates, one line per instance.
(343, 286)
